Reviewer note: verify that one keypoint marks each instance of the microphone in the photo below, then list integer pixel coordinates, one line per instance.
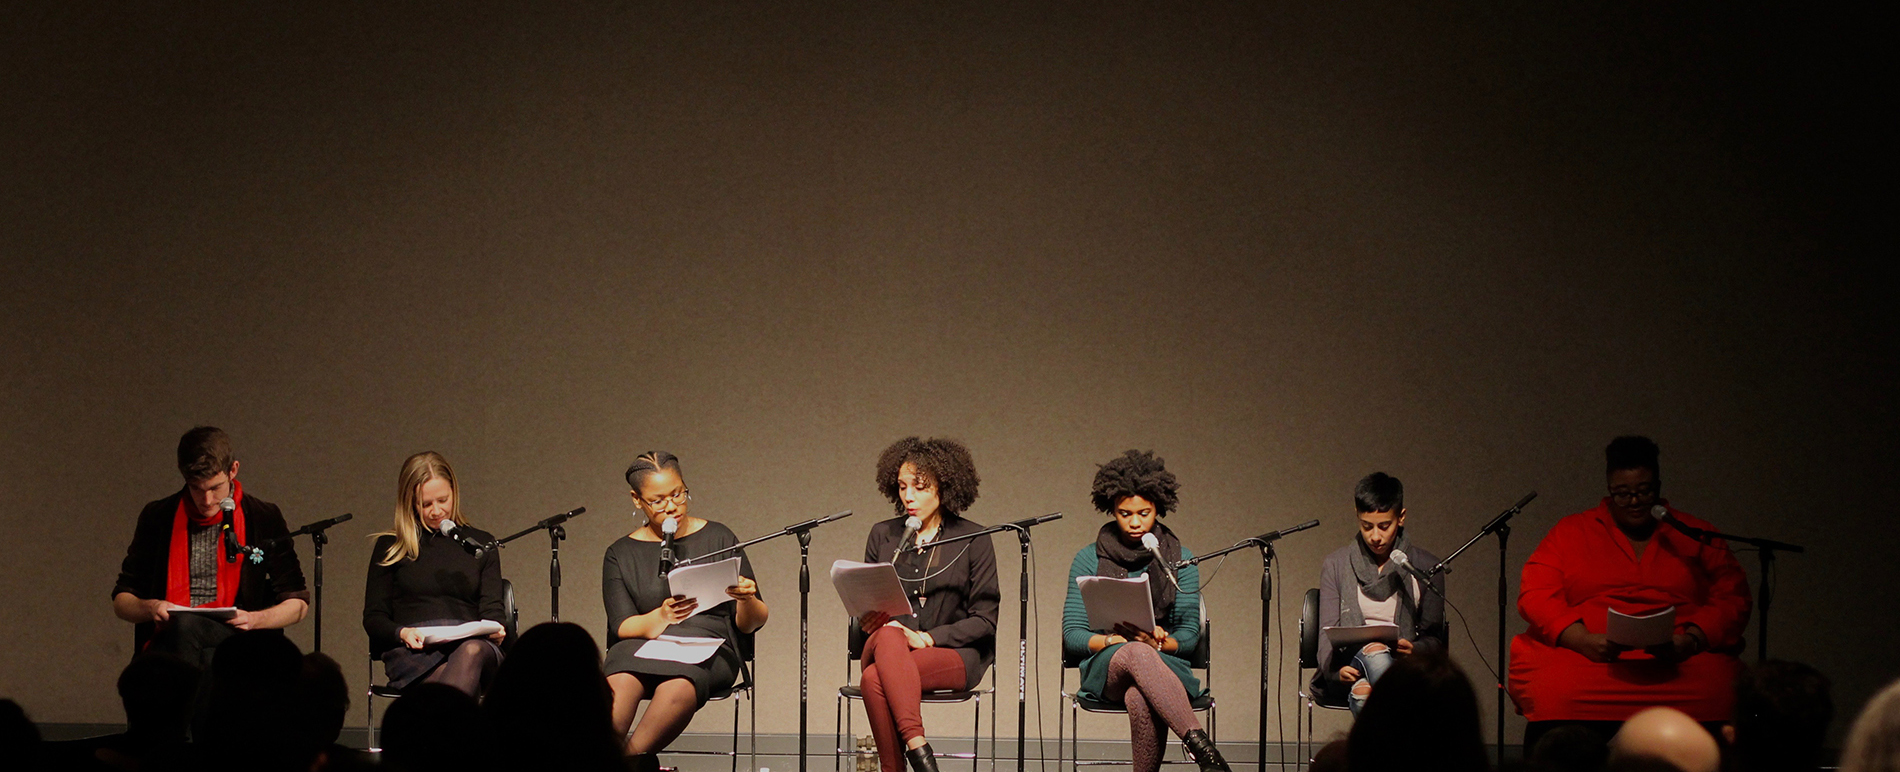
(668, 528)
(1153, 545)
(1660, 512)
(912, 525)
(232, 547)
(447, 527)
(1405, 563)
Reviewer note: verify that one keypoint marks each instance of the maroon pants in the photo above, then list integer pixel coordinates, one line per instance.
(894, 680)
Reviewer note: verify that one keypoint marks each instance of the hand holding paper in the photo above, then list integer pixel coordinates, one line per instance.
(705, 584)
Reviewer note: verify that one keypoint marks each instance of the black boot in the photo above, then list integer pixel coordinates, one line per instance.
(922, 759)
(643, 762)
(1204, 753)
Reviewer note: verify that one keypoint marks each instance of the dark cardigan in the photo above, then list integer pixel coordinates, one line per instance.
(957, 604)
(144, 572)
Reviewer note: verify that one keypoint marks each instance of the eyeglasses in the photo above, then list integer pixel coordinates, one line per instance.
(677, 498)
(1633, 494)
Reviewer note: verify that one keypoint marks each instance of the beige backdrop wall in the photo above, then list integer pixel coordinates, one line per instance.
(1282, 247)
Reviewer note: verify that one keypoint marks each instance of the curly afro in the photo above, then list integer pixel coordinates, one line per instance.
(945, 462)
(1135, 473)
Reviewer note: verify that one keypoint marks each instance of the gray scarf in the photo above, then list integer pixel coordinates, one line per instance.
(1378, 585)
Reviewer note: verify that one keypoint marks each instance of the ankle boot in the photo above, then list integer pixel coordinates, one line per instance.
(1204, 752)
(922, 759)
(643, 762)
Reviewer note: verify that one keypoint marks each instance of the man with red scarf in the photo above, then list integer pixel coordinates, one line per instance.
(189, 551)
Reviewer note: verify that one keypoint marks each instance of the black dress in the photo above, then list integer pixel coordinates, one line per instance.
(631, 585)
(442, 585)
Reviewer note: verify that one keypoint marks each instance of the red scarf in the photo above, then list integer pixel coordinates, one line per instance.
(178, 565)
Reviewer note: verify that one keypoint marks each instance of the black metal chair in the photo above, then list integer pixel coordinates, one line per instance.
(1327, 699)
(850, 692)
(509, 612)
(1198, 659)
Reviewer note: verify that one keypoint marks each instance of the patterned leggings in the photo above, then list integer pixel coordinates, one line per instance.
(1155, 698)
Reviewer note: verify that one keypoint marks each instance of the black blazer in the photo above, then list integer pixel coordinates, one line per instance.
(260, 585)
(957, 602)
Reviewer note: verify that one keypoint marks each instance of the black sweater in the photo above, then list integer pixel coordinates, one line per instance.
(442, 582)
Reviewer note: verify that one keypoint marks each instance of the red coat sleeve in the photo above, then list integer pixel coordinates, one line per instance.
(1541, 599)
(1725, 612)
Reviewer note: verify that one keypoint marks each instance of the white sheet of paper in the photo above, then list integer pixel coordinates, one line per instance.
(1363, 634)
(680, 648)
(446, 633)
(1639, 632)
(215, 613)
(868, 587)
(704, 583)
(1111, 601)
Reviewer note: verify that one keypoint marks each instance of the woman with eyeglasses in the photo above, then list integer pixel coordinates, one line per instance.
(1619, 556)
(641, 607)
(1141, 667)
(949, 638)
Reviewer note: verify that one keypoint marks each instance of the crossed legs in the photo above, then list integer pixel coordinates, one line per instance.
(893, 682)
(1156, 702)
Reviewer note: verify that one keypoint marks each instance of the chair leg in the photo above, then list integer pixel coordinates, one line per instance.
(976, 732)
(735, 734)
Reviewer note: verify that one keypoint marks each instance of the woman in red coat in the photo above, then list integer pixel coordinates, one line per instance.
(1564, 669)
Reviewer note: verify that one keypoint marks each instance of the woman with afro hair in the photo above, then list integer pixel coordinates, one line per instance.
(949, 638)
(1142, 669)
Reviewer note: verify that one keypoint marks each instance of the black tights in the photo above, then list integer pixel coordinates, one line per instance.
(469, 667)
(671, 705)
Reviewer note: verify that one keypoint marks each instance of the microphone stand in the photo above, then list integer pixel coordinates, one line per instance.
(555, 534)
(1500, 525)
(319, 536)
(1021, 527)
(803, 532)
(1765, 548)
(1265, 543)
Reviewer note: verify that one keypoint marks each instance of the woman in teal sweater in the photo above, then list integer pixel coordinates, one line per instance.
(1142, 669)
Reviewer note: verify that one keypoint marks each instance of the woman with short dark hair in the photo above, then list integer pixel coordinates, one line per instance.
(1141, 667)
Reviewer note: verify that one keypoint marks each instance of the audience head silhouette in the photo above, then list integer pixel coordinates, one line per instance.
(1422, 718)
(1873, 744)
(434, 727)
(1669, 735)
(550, 705)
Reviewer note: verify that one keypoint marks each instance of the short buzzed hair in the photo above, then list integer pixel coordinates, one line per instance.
(204, 453)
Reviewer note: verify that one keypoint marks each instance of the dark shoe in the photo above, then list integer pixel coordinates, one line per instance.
(922, 759)
(643, 762)
(1204, 753)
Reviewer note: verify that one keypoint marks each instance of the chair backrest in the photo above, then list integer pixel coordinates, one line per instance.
(510, 613)
(1309, 629)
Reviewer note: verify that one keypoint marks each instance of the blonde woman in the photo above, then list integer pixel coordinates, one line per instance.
(419, 577)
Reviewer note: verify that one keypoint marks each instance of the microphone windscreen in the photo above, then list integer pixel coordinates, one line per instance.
(1659, 511)
(914, 523)
(1149, 541)
(670, 526)
(227, 505)
(445, 526)
(1399, 556)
